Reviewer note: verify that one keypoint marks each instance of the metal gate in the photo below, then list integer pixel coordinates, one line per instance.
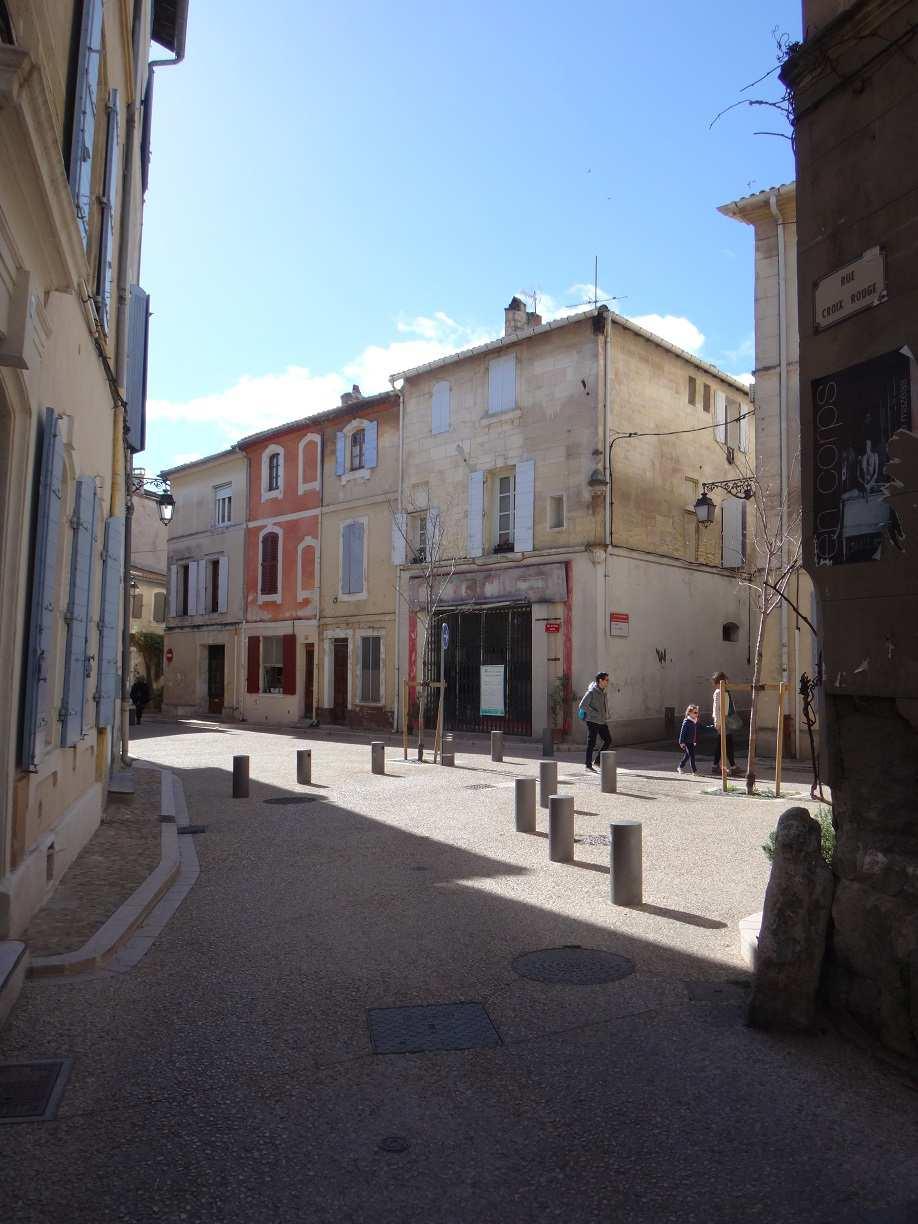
(480, 637)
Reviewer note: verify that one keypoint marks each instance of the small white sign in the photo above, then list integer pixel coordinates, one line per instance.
(619, 624)
(850, 289)
(492, 689)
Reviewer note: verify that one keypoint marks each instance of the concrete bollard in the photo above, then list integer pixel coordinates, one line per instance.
(625, 862)
(609, 773)
(525, 805)
(497, 745)
(420, 752)
(378, 757)
(240, 777)
(561, 829)
(448, 750)
(548, 742)
(548, 781)
(304, 766)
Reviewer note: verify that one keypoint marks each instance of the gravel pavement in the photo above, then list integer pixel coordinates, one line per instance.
(230, 1076)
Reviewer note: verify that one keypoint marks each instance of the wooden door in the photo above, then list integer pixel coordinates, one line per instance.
(339, 681)
(309, 702)
(216, 671)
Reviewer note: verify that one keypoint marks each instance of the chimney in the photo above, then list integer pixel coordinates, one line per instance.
(518, 319)
(349, 397)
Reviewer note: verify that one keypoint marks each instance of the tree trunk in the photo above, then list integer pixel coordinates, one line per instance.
(754, 707)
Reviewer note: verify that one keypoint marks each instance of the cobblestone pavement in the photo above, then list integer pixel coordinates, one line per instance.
(114, 862)
(231, 1076)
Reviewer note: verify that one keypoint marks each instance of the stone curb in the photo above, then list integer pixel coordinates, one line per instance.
(133, 912)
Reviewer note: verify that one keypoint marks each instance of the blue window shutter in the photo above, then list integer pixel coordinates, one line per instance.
(525, 489)
(733, 525)
(76, 659)
(369, 458)
(109, 195)
(136, 377)
(356, 558)
(346, 557)
(439, 410)
(476, 514)
(37, 694)
(339, 453)
(85, 102)
(107, 683)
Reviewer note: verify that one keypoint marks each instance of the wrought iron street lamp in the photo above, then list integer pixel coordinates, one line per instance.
(156, 487)
(705, 509)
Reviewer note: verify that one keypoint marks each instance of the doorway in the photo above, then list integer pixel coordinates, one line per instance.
(309, 704)
(216, 671)
(339, 681)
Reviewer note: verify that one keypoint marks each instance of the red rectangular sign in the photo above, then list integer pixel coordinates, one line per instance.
(553, 627)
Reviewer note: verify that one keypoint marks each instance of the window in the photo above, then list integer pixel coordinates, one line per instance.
(503, 513)
(502, 384)
(212, 588)
(706, 397)
(159, 607)
(692, 390)
(417, 530)
(272, 663)
(273, 472)
(223, 504)
(731, 632)
(137, 605)
(555, 511)
(269, 563)
(352, 558)
(358, 450)
(370, 680)
(184, 590)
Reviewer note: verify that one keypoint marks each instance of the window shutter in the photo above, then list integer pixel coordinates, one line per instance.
(136, 377)
(744, 430)
(37, 695)
(732, 520)
(107, 686)
(173, 588)
(346, 559)
(76, 661)
(369, 455)
(223, 581)
(476, 514)
(356, 562)
(89, 56)
(502, 384)
(109, 194)
(192, 609)
(253, 665)
(720, 417)
(399, 531)
(439, 411)
(339, 453)
(525, 489)
(202, 604)
(434, 542)
(159, 606)
(289, 657)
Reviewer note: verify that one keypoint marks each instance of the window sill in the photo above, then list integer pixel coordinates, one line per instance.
(357, 474)
(494, 418)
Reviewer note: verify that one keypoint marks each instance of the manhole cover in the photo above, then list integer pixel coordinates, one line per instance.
(394, 1143)
(31, 1092)
(480, 786)
(293, 800)
(573, 965)
(441, 1026)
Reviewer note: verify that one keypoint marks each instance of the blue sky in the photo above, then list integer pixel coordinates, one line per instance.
(341, 191)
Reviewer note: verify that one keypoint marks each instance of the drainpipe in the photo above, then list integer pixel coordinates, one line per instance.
(782, 424)
(397, 703)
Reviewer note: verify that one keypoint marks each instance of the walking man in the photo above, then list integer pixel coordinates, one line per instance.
(594, 710)
(140, 696)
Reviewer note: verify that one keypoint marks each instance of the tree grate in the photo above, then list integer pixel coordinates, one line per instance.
(293, 800)
(32, 1091)
(573, 965)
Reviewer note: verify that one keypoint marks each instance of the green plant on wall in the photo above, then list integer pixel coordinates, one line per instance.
(150, 648)
(824, 816)
(560, 696)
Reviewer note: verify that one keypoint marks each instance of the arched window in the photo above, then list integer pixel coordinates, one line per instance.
(731, 632)
(269, 563)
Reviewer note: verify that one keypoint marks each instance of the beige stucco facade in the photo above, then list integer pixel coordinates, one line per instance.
(148, 582)
(205, 573)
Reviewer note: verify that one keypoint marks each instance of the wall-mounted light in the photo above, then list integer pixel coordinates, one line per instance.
(704, 508)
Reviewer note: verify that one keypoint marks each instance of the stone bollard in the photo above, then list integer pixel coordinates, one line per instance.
(420, 752)
(378, 757)
(548, 781)
(627, 883)
(240, 777)
(561, 829)
(497, 745)
(548, 742)
(795, 920)
(525, 805)
(609, 774)
(304, 766)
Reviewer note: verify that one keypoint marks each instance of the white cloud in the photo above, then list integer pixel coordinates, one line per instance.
(184, 457)
(675, 328)
(747, 378)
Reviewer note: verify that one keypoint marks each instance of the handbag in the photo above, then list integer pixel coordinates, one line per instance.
(581, 713)
(733, 720)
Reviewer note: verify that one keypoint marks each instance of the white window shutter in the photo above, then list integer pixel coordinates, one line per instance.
(173, 588)
(89, 57)
(720, 417)
(399, 531)
(732, 520)
(204, 580)
(502, 383)
(509, 391)
(476, 514)
(439, 412)
(525, 490)
(370, 452)
(744, 430)
(223, 585)
(192, 609)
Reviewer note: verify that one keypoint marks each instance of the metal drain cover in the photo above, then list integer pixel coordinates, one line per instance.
(31, 1092)
(440, 1026)
(573, 966)
(293, 800)
(480, 786)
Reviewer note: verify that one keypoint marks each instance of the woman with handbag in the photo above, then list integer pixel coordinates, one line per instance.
(732, 722)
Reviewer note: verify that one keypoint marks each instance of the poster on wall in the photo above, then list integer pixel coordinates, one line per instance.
(855, 413)
(492, 689)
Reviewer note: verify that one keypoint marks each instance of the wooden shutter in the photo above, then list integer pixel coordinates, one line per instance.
(89, 56)
(476, 514)
(502, 384)
(253, 665)
(109, 195)
(355, 566)
(203, 602)
(399, 532)
(173, 588)
(159, 606)
(76, 661)
(37, 693)
(339, 453)
(720, 417)
(223, 585)
(525, 490)
(732, 518)
(289, 657)
(370, 445)
(744, 429)
(135, 388)
(192, 609)
(439, 411)
(107, 681)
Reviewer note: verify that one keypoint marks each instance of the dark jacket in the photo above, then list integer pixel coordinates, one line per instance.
(140, 693)
(689, 732)
(593, 702)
